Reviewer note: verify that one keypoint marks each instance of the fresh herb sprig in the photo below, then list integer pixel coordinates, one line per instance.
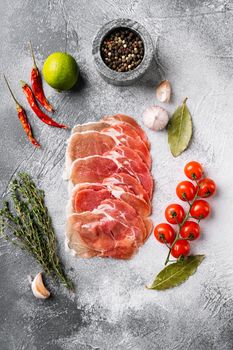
(29, 226)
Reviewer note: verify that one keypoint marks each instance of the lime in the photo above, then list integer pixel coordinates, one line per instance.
(60, 71)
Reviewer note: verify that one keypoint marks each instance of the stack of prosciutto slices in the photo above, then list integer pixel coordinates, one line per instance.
(108, 166)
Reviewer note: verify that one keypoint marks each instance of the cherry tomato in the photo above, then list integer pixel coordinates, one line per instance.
(164, 233)
(186, 191)
(180, 248)
(207, 188)
(193, 170)
(190, 230)
(200, 209)
(174, 214)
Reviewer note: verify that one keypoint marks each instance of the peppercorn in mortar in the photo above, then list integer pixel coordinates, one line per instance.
(122, 50)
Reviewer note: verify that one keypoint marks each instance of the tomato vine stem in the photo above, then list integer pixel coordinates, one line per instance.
(187, 216)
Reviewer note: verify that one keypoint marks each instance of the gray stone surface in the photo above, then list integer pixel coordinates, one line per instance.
(112, 310)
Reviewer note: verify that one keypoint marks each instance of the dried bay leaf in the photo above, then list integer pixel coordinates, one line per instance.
(180, 130)
(177, 273)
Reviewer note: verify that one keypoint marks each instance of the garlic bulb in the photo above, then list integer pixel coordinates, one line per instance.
(163, 91)
(38, 288)
(155, 118)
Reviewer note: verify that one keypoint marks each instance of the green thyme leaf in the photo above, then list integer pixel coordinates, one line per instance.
(180, 130)
(177, 273)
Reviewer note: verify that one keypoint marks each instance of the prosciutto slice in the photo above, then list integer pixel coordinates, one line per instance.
(87, 143)
(106, 232)
(122, 180)
(128, 137)
(108, 165)
(126, 119)
(97, 168)
(108, 121)
(92, 126)
(90, 142)
(88, 196)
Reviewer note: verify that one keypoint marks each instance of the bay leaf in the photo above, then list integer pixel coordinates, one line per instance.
(177, 273)
(180, 130)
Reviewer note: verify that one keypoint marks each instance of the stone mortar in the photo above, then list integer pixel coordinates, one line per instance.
(122, 78)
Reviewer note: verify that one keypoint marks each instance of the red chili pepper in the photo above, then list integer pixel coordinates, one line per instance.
(37, 87)
(23, 118)
(34, 106)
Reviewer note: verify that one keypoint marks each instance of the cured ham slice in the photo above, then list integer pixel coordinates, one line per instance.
(89, 143)
(93, 126)
(128, 137)
(149, 226)
(89, 196)
(93, 169)
(125, 214)
(121, 159)
(125, 118)
(108, 121)
(108, 166)
(106, 232)
(133, 165)
(95, 235)
(122, 180)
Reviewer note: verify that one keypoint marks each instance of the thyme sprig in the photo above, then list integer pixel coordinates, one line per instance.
(29, 226)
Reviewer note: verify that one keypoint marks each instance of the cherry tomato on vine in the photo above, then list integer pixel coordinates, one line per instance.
(174, 214)
(190, 230)
(164, 233)
(186, 190)
(200, 209)
(193, 170)
(180, 248)
(207, 188)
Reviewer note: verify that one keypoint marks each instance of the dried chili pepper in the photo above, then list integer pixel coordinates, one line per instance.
(37, 87)
(23, 118)
(34, 106)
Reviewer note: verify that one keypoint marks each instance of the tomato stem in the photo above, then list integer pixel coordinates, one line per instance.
(187, 216)
(165, 242)
(177, 221)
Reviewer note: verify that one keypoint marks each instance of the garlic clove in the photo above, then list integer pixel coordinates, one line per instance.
(38, 288)
(155, 118)
(163, 91)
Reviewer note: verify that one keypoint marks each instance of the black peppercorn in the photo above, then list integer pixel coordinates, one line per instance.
(122, 50)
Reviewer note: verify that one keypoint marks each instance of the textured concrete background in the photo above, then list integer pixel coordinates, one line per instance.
(112, 309)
